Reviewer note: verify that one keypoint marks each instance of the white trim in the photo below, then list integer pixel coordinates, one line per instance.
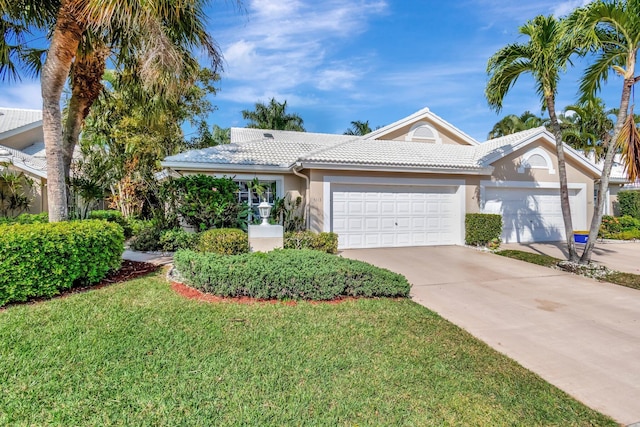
(536, 152)
(580, 216)
(488, 170)
(213, 167)
(392, 182)
(436, 135)
(21, 129)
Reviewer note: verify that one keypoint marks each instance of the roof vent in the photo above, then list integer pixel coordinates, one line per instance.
(268, 135)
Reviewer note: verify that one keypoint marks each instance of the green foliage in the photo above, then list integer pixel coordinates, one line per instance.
(113, 216)
(137, 225)
(482, 229)
(288, 213)
(620, 228)
(629, 202)
(288, 274)
(204, 201)
(16, 192)
(148, 239)
(539, 259)
(325, 242)
(26, 218)
(41, 260)
(273, 116)
(173, 240)
(224, 241)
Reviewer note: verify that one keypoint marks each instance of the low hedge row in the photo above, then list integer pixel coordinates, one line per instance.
(224, 241)
(287, 274)
(619, 228)
(41, 260)
(324, 242)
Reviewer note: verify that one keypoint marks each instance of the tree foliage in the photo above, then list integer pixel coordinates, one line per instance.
(273, 116)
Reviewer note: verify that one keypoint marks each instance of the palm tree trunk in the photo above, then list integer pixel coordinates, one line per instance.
(562, 177)
(606, 170)
(64, 45)
(86, 84)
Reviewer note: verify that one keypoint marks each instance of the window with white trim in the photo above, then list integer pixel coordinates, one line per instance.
(536, 158)
(423, 132)
(248, 194)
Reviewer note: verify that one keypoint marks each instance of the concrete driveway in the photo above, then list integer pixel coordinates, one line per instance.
(578, 334)
(620, 256)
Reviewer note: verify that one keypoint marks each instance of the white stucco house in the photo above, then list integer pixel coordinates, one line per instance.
(409, 183)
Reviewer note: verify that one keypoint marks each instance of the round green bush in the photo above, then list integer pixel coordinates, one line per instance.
(224, 241)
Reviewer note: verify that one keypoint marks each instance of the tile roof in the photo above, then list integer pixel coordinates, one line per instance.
(252, 147)
(13, 118)
(505, 144)
(23, 160)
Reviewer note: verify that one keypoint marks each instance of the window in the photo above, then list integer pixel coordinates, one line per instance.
(247, 193)
(536, 159)
(423, 132)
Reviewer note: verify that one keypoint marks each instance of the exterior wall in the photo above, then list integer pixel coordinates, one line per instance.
(37, 193)
(509, 169)
(24, 139)
(400, 134)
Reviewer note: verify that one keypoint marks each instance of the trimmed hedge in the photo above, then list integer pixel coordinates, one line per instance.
(287, 274)
(325, 242)
(224, 241)
(26, 218)
(620, 228)
(173, 240)
(629, 202)
(41, 260)
(112, 216)
(481, 229)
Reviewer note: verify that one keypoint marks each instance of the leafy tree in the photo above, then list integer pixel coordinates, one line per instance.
(611, 30)
(359, 128)
(205, 138)
(544, 56)
(130, 130)
(273, 116)
(512, 123)
(587, 127)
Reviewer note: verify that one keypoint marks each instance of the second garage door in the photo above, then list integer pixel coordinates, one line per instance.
(383, 216)
(533, 214)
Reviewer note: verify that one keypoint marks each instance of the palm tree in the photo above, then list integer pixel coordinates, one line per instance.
(587, 127)
(544, 56)
(358, 128)
(512, 123)
(273, 116)
(76, 21)
(610, 29)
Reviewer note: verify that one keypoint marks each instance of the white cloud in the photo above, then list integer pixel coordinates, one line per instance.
(21, 95)
(566, 7)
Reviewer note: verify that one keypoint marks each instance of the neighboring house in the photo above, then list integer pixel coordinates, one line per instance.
(22, 148)
(409, 183)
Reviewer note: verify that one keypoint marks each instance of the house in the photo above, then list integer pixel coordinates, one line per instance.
(409, 183)
(22, 150)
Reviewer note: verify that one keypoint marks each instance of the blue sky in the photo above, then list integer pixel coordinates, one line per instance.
(335, 61)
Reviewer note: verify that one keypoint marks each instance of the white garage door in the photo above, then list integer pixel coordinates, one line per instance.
(533, 214)
(383, 216)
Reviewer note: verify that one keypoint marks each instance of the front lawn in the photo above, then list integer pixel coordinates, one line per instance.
(136, 353)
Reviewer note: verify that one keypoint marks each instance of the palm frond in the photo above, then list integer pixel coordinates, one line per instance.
(629, 144)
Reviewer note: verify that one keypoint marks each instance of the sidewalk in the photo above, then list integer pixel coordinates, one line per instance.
(157, 258)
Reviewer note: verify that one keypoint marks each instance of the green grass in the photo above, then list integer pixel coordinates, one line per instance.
(540, 259)
(629, 280)
(136, 353)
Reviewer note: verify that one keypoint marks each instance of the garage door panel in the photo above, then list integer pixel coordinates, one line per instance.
(395, 216)
(531, 214)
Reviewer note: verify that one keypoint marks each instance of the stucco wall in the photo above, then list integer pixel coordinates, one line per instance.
(445, 136)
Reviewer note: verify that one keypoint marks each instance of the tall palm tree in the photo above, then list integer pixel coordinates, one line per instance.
(358, 128)
(512, 123)
(544, 56)
(74, 21)
(610, 29)
(273, 116)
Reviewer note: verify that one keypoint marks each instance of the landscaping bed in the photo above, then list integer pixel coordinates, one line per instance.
(137, 353)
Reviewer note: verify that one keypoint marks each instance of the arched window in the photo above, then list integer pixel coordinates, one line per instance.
(536, 159)
(423, 132)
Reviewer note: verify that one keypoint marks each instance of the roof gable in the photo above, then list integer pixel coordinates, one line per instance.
(14, 120)
(422, 115)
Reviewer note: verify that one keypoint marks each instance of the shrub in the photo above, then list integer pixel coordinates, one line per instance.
(112, 216)
(137, 225)
(41, 260)
(629, 202)
(26, 218)
(287, 274)
(204, 201)
(325, 242)
(148, 239)
(173, 240)
(224, 241)
(481, 229)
